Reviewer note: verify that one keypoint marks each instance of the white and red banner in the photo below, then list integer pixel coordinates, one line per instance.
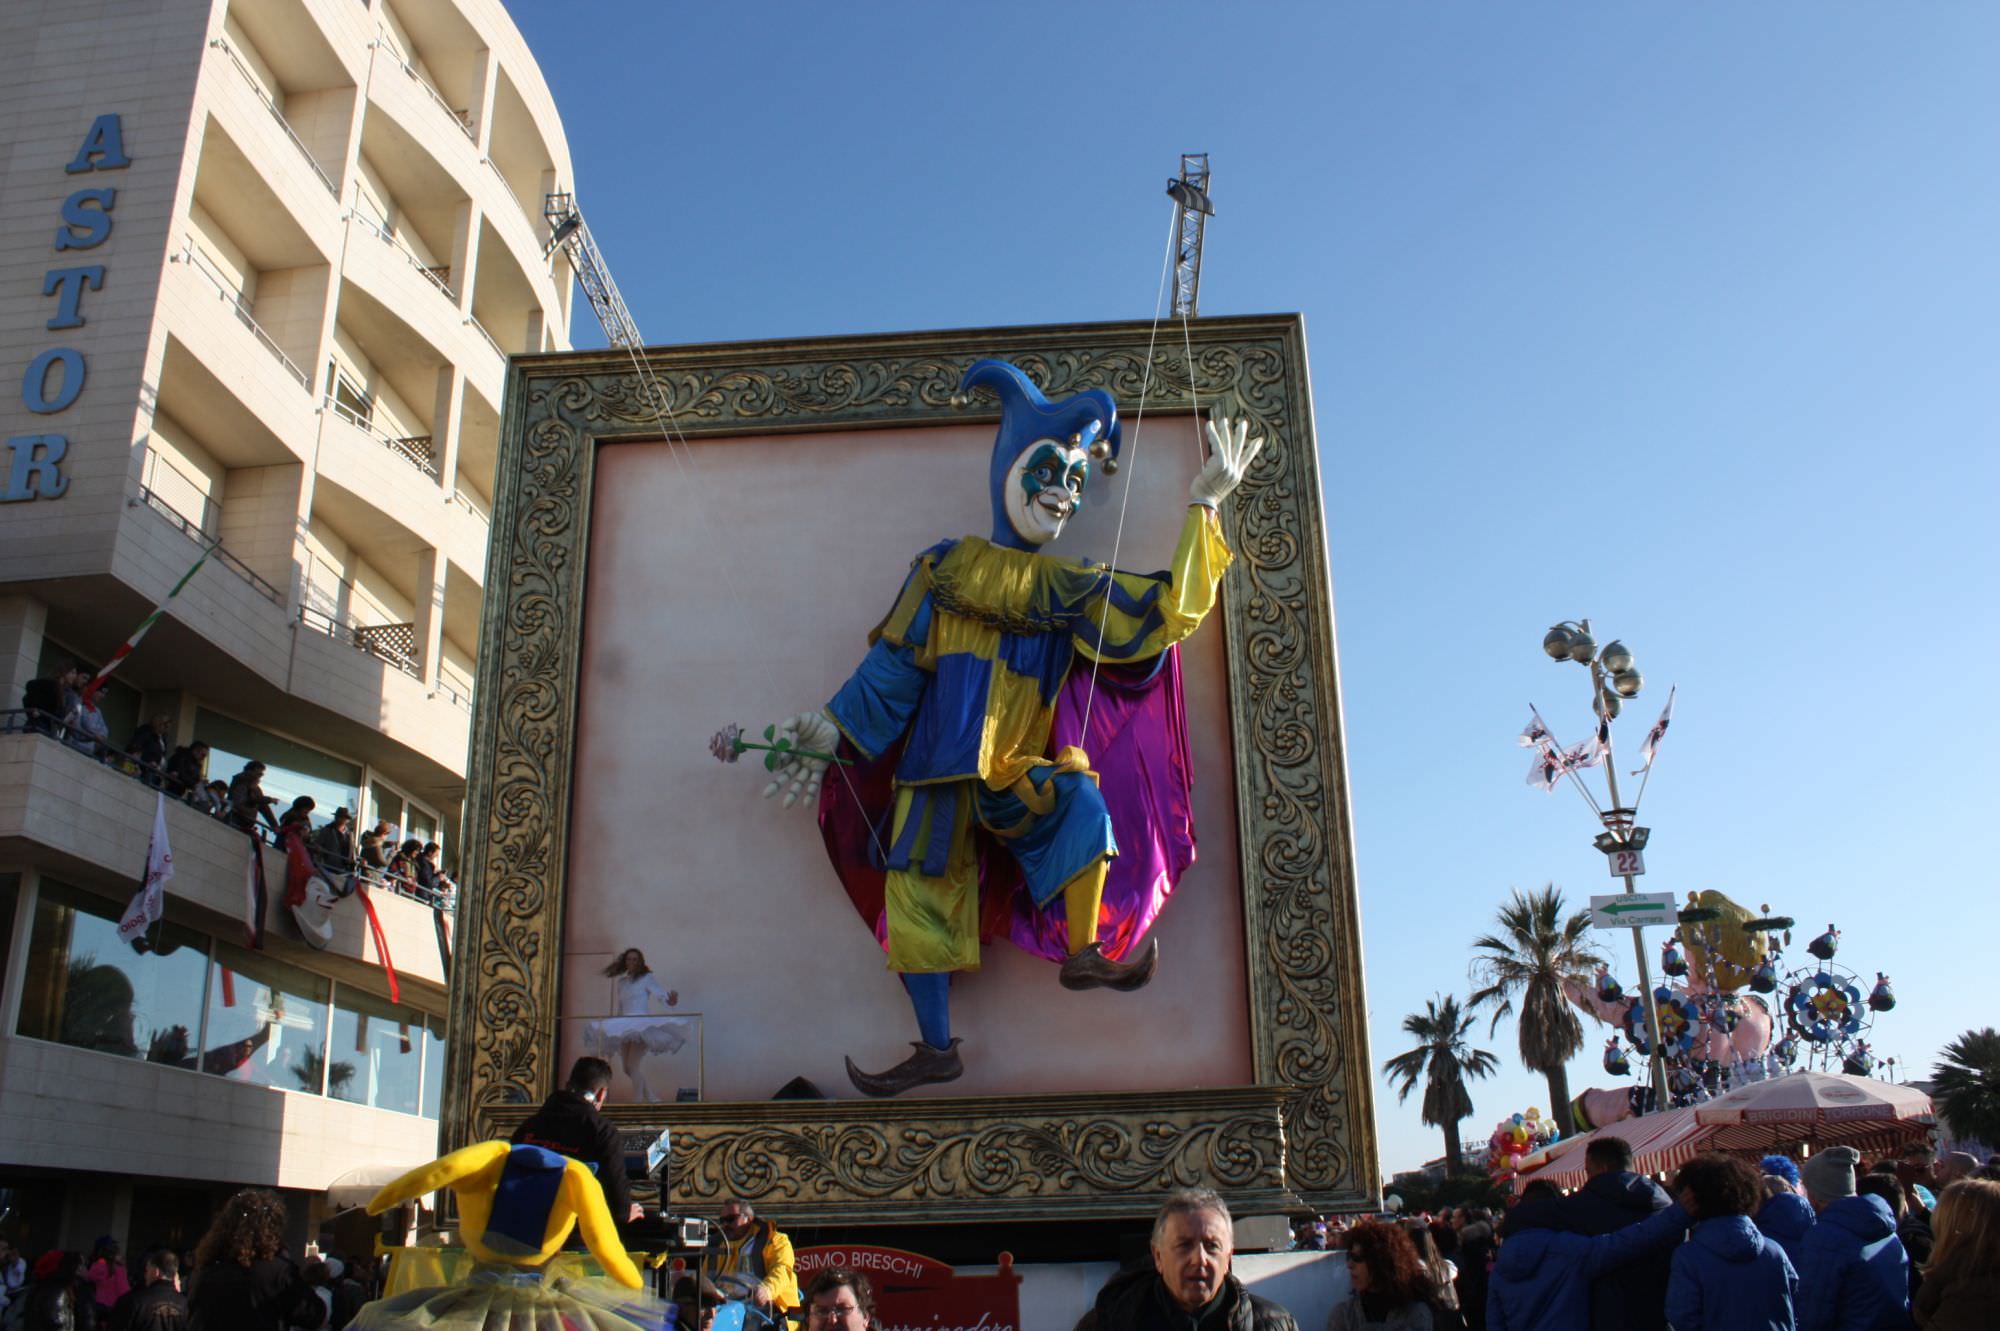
(150, 901)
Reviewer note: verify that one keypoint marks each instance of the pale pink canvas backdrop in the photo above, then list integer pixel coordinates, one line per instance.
(738, 583)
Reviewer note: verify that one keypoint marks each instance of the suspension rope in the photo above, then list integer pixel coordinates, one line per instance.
(1132, 469)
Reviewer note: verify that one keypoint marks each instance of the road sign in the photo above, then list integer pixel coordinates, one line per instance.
(1625, 862)
(1633, 910)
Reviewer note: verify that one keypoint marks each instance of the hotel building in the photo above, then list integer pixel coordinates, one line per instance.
(262, 263)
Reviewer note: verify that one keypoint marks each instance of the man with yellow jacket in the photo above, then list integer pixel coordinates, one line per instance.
(749, 1258)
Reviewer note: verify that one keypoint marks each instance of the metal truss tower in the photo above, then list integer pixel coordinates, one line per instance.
(569, 234)
(1192, 210)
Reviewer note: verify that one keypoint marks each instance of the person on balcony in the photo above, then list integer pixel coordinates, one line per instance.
(247, 800)
(148, 747)
(333, 845)
(187, 770)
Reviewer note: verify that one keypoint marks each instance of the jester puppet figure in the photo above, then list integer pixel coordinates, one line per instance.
(1017, 718)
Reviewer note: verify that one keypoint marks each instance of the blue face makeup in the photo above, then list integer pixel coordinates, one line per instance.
(1048, 466)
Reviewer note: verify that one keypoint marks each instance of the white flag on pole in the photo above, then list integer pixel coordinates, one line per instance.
(150, 902)
(1547, 769)
(1657, 733)
(1584, 753)
(1534, 735)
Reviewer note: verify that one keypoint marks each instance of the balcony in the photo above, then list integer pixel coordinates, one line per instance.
(414, 449)
(89, 821)
(194, 532)
(393, 644)
(190, 254)
(263, 95)
(360, 675)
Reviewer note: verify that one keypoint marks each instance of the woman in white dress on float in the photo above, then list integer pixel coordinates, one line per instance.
(636, 1029)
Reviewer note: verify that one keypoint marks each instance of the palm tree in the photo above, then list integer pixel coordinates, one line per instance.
(1967, 1085)
(1535, 951)
(1444, 1060)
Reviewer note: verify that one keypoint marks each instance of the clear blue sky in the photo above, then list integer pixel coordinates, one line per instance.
(1680, 317)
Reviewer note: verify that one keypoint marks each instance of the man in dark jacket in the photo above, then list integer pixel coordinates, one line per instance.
(568, 1123)
(1634, 1297)
(1187, 1286)
(157, 1305)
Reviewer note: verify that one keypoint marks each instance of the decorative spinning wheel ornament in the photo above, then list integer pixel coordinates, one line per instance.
(1824, 1006)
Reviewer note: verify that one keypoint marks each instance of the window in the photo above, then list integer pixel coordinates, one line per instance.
(385, 1047)
(85, 988)
(349, 399)
(267, 1025)
(291, 769)
(434, 1051)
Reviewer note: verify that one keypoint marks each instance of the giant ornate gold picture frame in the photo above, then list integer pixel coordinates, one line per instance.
(1303, 1135)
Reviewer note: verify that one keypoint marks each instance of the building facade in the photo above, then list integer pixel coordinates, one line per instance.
(261, 266)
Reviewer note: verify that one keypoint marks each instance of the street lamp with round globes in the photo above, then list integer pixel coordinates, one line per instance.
(1614, 675)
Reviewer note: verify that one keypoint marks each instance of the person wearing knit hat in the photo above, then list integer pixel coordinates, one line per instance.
(1780, 1166)
(1853, 1271)
(1829, 1175)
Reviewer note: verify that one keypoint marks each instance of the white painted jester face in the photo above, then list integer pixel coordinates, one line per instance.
(1044, 487)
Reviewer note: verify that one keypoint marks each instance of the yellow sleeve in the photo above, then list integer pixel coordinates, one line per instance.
(450, 1171)
(780, 1276)
(1147, 615)
(593, 1218)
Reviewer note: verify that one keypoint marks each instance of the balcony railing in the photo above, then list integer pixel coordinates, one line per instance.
(433, 273)
(193, 531)
(415, 449)
(462, 119)
(191, 255)
(395, 644)
(457, 692)
(481, 329)
(21, 721)
(257, 87)
(473, 504)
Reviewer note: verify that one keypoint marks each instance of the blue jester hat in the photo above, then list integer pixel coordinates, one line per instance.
(1088, 420)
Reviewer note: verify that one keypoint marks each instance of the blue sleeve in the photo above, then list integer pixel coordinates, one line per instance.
(1615, 1249)
(874, 707)
(1819, 1283)
(1496, 1308)
(1684, 1296)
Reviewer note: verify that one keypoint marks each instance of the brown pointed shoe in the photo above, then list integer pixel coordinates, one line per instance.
(1091, 969)
(927, 1064)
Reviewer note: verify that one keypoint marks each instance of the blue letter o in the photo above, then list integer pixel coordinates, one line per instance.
(36, 379)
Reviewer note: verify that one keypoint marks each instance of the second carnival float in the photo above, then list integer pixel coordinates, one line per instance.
(1052, 910)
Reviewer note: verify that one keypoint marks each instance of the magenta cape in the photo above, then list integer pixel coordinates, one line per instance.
(1137, 745)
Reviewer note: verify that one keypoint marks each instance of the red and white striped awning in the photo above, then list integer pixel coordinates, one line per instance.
(1817, 1108)
(1659, 1142)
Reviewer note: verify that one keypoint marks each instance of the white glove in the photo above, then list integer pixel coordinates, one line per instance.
(1229, 460)
(796, 776)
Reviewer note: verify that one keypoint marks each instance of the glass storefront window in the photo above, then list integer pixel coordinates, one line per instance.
(83, 987)
(433, 1066)
(385, 1046)
(291, 769)
(267, 1025)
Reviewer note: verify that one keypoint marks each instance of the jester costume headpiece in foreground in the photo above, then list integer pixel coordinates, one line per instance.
(516, 1207)
(1042, 452)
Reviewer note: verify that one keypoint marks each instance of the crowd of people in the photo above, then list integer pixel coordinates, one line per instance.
(238, 1278)
(62, 707)
(1728, 1246)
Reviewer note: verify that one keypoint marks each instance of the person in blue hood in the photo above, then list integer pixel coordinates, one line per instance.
(1728, 1276)
(1853, 1272)
(1541, 1280)
(1785, 1216)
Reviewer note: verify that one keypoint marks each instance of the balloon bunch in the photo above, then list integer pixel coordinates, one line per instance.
(1516, 1138)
